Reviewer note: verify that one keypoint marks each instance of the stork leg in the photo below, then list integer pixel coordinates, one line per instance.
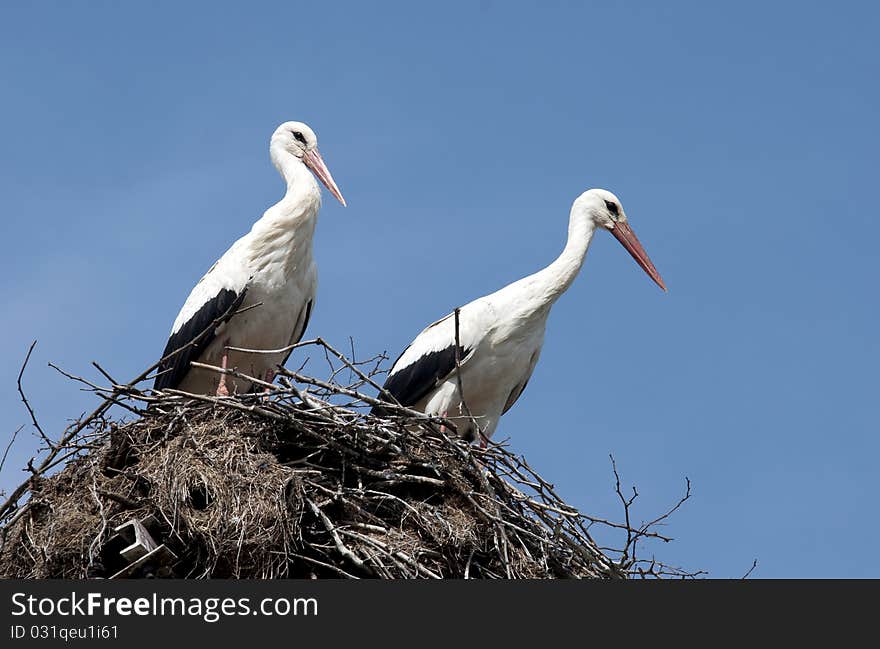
(443, 426)
(268, 377)
(222, 390)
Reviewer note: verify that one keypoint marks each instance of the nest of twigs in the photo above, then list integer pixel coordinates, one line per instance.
(298, 482)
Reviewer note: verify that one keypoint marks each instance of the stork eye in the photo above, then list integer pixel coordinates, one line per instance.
(299, 136)
(612, 207)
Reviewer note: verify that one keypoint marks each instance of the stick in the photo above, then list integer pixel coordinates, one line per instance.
(9, 446)
(25, 401)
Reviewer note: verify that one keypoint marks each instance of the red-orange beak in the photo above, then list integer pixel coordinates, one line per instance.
(630, 241)
(315, 162)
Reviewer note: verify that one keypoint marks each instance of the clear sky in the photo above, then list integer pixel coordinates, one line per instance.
(742, 141)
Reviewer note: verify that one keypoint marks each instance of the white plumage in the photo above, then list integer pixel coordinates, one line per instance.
(265, 283)
(501, 334)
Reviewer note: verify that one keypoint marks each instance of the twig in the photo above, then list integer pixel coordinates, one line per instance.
(104, 372)
(9, 446)
(663, 517)
(25, 401)
(340, 546)
(112, 394)
(94, 544)
(122, 500)
(627, 503)
(749, 572)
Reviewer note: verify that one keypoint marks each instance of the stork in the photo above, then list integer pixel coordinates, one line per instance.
(259, 295)
(499, 336)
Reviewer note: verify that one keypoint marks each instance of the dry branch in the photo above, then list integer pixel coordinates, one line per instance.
(24, 400)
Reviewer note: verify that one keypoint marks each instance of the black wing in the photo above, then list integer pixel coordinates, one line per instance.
(172, 370)
(409, 384)
(514, 395)
(305, 326)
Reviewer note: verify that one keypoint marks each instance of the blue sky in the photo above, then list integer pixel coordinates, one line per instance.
(741, 140)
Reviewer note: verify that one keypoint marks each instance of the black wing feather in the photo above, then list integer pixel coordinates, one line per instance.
(409, 384)
(514, 397)
(301, 333)
(173, 370)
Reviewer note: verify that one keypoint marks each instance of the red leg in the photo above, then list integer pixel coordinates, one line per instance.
(222, 390)
(268, 377)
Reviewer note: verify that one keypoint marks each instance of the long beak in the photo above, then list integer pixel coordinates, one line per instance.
(315, 162)
(630, 241)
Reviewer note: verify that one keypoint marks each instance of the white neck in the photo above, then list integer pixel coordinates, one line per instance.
(284, 233)
(302, 200)
(543, 288)
(561, 273)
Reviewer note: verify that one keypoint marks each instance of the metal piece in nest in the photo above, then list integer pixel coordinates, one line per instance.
(142, 556)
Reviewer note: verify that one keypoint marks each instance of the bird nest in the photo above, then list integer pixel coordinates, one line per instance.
(300, 481)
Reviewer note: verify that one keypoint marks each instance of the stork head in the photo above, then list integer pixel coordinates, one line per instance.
(297, 139)
(605, 211)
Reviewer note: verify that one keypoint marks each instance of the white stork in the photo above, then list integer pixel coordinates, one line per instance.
(500, 335)
(270, 269)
